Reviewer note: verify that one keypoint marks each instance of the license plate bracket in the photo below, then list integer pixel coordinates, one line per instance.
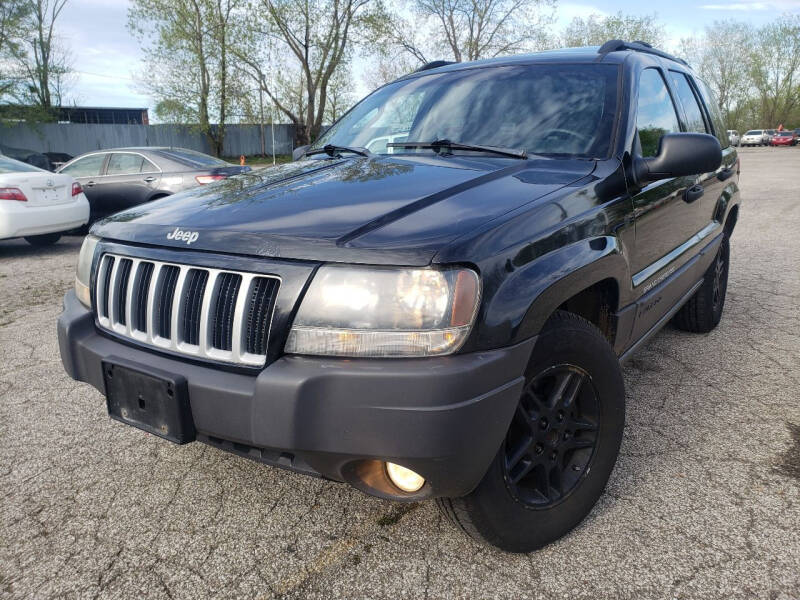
(151, 400)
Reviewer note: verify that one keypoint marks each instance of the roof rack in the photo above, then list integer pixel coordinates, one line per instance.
(433, 65)
(638, 46)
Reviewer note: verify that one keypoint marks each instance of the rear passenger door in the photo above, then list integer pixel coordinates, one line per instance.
(129, 181)
(665, 217)
(707, 187)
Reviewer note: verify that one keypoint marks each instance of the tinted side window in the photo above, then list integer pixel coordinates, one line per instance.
(124, 164)
(86, 167)
(694, 114)
(713, 108)
(655, 113)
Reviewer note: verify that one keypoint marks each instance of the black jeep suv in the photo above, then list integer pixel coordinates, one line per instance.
(433, 302)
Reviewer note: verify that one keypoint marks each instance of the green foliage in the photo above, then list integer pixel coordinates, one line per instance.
(34, 66)
(595, 30)
(188, 62)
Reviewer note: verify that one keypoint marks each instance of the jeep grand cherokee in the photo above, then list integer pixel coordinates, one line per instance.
(434, 302)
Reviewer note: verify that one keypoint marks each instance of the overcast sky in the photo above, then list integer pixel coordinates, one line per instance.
(106, 57)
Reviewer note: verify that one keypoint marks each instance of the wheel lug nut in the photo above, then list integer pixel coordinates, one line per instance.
(561, 415)
(538, 449)
(567, 435)
(576, 467)
(553, 456)
(543, 423)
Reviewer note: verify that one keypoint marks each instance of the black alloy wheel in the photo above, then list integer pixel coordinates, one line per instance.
(552, 439)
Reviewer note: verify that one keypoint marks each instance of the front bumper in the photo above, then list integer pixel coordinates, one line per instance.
(444, 417)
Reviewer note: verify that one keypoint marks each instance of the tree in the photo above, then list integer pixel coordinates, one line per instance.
(36, 60)
(465, 30)
(595, 30)
(717, 56)
(298, 45)
(340, 94)
(775, 69)
(14, 19)
(188, 60)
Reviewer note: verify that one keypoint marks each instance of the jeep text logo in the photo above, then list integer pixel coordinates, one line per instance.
(183, 236)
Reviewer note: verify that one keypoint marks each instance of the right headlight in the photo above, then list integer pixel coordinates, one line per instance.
(385, 312)
(83, 274)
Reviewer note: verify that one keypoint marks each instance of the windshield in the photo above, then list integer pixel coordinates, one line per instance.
(754, 132)
(542, 109)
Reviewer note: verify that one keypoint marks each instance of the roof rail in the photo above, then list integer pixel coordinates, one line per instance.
(433, 65)
(614, 45)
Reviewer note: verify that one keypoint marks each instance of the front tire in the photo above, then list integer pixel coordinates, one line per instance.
(703, 311)
(46, 239)
(560, 448)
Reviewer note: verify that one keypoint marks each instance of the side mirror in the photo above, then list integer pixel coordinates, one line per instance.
(299, 152)
(681, 154)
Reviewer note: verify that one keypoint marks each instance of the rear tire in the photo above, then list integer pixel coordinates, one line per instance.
(46, 239)
(703, 311)
(560, 448)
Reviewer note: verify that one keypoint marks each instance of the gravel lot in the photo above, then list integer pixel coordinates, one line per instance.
(704, 502)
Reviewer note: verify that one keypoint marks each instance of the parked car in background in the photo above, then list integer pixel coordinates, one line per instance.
(733, 136)
(768, 135)
(753, 137)
(58, 159)
(31, 157)
(38, 205)
(784, 138)
(797, 131)
(116, 179)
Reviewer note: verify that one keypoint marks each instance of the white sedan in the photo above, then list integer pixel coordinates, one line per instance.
(38, 205)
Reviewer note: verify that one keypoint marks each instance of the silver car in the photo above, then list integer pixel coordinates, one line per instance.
(733, 137)
(116, 179)
(754, 137)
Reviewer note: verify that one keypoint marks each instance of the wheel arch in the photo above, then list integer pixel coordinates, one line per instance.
(158, 195)
(573, 278)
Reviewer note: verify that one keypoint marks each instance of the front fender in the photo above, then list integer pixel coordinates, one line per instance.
(532, 291)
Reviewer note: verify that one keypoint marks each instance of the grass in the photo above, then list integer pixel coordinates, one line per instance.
(260, 161)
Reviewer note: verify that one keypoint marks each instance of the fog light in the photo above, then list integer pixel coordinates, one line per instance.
(405, 479)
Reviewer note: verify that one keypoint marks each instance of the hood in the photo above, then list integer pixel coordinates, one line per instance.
(386, 210)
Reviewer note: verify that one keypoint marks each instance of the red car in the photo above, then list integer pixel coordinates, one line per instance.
(784, 138)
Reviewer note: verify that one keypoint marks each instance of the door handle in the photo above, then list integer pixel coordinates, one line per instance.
(90, 184)
(149, 179)
(693, 193)
(726, 173)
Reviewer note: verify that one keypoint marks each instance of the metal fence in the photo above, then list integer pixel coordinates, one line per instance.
(77, 138)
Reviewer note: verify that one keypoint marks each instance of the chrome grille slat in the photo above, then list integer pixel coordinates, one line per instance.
(190, 310)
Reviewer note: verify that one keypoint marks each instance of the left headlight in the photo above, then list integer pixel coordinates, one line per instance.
(385, 312)
(83, 274)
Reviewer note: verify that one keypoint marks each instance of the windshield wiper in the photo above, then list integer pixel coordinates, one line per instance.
(449, 146)
(334, 150)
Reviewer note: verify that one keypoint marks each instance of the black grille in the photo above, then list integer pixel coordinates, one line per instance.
(259, 311)
(122, 289)
(141, 285)
(218, 314)
(165, 292)
(223, 310)
(108, 266)
(194, 287)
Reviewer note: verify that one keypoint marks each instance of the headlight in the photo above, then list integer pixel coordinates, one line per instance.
(385, 312)
(83, 274)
